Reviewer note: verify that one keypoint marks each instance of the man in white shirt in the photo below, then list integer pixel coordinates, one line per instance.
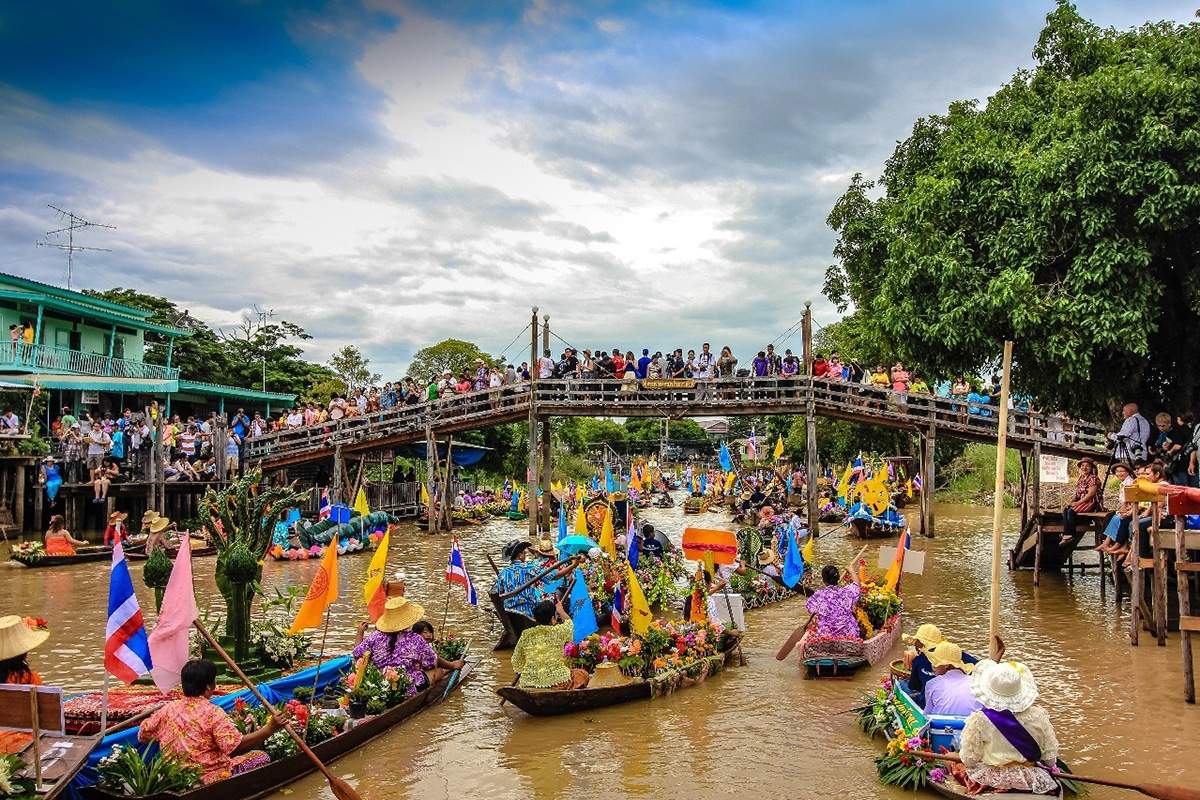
(295, 419)
(1134, 437)
(98, 444)
(545, 366)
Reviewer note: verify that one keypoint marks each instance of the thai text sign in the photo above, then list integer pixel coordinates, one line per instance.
(669, 383)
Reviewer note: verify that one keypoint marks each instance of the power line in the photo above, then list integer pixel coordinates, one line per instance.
(74, 223)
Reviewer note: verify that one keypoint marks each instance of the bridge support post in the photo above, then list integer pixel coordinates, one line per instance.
(338, 467)
(811, 468)
(430, 473)
(544, 441)
(928, 480)
(531, 472)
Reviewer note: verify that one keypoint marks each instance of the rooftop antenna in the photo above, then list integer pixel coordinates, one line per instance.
(75, 223)
(263, 315)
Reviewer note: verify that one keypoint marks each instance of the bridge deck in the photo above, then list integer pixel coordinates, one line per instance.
(1056, 434)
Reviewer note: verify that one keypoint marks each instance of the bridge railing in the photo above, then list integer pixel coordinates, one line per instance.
(732, 396)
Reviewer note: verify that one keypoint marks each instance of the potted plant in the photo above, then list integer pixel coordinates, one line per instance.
(359, 697)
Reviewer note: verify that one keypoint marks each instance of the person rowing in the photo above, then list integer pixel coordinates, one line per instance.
(521, 583)
(538, 658)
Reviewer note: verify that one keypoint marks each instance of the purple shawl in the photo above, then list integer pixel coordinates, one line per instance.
(1012, 730)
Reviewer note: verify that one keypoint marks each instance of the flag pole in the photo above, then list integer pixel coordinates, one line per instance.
(998, 504)
(104, 705)
(320, 659)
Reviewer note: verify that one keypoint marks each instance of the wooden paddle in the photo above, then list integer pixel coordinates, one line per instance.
(1163, 791)
(341, 789)
(798, 634)
(516, 678)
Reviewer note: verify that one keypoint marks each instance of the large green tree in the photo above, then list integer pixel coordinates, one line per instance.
(449, 354)
(1064, 214)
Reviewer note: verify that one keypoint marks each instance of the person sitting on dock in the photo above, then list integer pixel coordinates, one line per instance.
(102, 478)
(19, 635)
(1087, 499)
(948, 693)
(403, 641)
(1009, 744)
(197, 731)
(538, 657)
(1119, 525)
(58, 540)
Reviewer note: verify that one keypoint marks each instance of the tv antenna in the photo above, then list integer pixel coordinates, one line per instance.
(75, 223)
(263, 315)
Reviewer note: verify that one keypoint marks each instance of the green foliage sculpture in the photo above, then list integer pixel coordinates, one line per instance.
(1063, 214)
(240, 520)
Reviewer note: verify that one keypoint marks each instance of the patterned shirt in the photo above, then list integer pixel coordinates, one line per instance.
(194, 729)
(834, 607)
(538, 656)
(409, 652)
(1085, 484)
(513, 576)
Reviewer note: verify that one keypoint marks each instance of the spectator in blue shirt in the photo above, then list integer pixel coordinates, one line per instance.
(643, 364)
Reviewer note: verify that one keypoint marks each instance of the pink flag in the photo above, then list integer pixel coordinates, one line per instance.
(169, 641)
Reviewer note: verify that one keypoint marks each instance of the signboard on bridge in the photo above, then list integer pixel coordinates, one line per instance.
(669, 383)
(1053, 469)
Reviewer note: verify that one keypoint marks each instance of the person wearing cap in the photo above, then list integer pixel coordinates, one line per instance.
(402, 640)
(538, 658)
(157, 526)
(1087, 499)
(948, 693)
(921, 668)
(19, 635)
(1009, 743)
(1119, 524)
(58, 540)
(197, 731)
(115, 530)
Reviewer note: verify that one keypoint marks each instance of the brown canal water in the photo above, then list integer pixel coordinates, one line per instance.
(757, 728)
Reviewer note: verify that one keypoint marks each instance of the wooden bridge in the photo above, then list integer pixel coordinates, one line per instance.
(537, 401)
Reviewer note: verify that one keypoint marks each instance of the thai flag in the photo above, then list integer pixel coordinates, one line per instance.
(126, 648)
(456, 572)
(323, 510)
(628, 519)
(618, 603)
(752, 447)
(856, 472)
(917, 482)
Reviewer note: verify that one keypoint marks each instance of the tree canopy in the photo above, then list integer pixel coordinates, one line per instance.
(1064, 215)
(353, 368)
(449, 354)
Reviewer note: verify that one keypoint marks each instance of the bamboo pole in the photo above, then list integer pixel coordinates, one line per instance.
(998, 504)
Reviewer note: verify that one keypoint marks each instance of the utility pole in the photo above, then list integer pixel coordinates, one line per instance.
(531, 473)
(263, 316)
(74, 223)
(545, 438)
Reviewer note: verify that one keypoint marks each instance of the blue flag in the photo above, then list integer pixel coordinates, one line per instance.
(793, 563)
(726, 459)
(635, 549)
(595, 483)
(789, 484)
(609, 486)
(704, 484)
(583, 615)
(516, 500)
(562, 521)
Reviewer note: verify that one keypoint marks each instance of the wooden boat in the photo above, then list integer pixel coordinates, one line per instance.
(512, 623)
(695, 505)
(554, 702)
(197, 552)
(270, 777)
(81, 556)
(843, 658)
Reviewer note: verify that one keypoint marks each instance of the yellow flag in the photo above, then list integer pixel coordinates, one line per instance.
(579, 494)
(729, 479)
(807, 550)
(909, 488)
(844, 483)
(321, 593)
(608, 538)
(377, 567)
(778, 448)
(424, 495)
(639, 610)
(581, 526)
(634, 481)
(360, 503)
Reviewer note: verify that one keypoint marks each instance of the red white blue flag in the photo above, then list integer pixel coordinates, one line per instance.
(618, 604)
(126, 648)
(456, 572)
(323, 510)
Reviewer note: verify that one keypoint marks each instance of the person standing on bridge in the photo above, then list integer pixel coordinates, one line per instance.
(1133, 439)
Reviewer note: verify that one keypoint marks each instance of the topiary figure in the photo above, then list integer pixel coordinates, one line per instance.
(239, 520)
(156, 574)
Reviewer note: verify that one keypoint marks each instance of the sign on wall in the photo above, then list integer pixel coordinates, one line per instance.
(1053, 469)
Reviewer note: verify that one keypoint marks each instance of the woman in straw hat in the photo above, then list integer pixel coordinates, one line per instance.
(115, 529)
(158, 525)
(949, 691)
(402, 640)
(58, 540)
(921, 669)
(17, 637)
(538, 658)
(1009, 744)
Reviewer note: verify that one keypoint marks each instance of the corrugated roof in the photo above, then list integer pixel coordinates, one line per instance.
(31, 291)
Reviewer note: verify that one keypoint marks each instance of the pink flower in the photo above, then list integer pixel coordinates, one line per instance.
(938, 775)
(570, 650)
(887, 684)
(913, 743)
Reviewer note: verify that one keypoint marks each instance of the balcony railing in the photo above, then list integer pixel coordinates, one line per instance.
(43, 358)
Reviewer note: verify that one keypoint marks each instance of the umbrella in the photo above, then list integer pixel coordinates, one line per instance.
(575, 544)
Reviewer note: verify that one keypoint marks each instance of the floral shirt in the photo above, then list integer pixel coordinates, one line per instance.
(834, 607)
(194, 729)
(409, 652)
(538, 656)
(513, 576)
(1086, 484)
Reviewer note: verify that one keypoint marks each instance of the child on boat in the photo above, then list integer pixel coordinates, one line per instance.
(927, 637)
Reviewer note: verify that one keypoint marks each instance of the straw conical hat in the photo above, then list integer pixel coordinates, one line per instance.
(399, 613)
(17, 638)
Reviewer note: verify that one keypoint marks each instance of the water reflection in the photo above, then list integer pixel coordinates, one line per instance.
(759, 728)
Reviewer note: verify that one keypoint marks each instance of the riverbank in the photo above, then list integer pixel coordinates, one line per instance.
(971, 480)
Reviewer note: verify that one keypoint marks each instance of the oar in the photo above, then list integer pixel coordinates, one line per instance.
(1163, 791)
(341, 789)
(798, 634)
(516, 678)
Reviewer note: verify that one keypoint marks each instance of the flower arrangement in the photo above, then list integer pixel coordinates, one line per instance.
(451, 647)
(875, 714)
(27, 552)
(389, 686)
(125, 770)
(661, 578)
(10, 784)
(665, 646)
(269, 635)
(879, 603)
(899, 767)
(37, 623)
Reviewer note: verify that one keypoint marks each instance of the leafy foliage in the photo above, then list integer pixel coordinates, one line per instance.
(1063, 214)
(353, 368)
(127, 771)
(450, 354)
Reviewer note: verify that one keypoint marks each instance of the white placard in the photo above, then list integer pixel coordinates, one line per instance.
(1053, 469)
(914, 560)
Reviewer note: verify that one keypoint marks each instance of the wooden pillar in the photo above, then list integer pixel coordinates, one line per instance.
(39, 500)
(218, 439)
(430, 473)
(1183, 577)
(1024, 491)
(547, 473)
(1135, 582)
(806, 327)
(811, 468)
(18, 509)
(928, 479)
(531, 473)
(1035, 480)
(338, 468)
(160, 474)
(1158, 590)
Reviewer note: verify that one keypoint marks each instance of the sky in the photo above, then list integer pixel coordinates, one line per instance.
(390, 174)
